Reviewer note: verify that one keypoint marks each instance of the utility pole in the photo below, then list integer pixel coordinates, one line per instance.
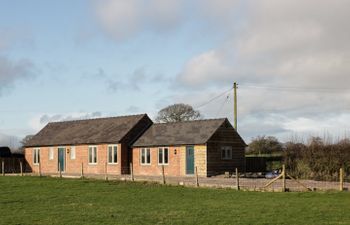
(235, 104)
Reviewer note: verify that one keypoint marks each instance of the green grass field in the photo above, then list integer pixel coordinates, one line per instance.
(34, 200)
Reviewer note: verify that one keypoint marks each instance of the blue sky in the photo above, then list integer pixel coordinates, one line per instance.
(81, 59)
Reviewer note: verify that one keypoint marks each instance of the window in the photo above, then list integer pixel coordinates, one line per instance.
(36, 156)
(145, 156)
(92, 154)
(163, 156)
(226, 152)
(72, 152)
(112, 154)
(51, 153)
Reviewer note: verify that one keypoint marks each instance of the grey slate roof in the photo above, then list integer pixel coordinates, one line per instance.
(91, 131)
(179, 133)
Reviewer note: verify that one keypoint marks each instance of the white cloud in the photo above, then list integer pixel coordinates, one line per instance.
(124, 19)
(287, 43)
(11, 71)
(266, 43)
(42, 120)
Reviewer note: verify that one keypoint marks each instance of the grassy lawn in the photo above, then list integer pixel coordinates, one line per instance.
(34, 200)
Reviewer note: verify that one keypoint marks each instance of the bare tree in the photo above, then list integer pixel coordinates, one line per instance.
(177, 112)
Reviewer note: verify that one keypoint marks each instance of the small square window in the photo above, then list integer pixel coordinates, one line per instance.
(112, 154)
(72, 152)
(163, 156)
(51, 153)
(36, 156)
(145, 156)
(92, 154)
(226, 152)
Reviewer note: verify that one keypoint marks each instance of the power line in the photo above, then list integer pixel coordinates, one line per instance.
(211, 100)
(222, 105)
(294, 88)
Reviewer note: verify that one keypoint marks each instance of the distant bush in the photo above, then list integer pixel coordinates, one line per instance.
(317, 159)
(264, 145)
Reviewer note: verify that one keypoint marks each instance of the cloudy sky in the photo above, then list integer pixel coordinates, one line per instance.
(67, 59)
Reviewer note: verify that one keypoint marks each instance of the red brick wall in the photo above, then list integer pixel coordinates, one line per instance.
(172, 169)
(177, 162)
(73, 166)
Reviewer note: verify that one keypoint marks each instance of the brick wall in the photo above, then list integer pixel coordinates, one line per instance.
(176, 165)
(73, 166)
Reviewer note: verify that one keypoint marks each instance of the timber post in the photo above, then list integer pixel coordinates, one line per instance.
(106, 176)
(131, 172)
(283, 178)
(3, 167)
(235, 105)
(197, 183)
(341, 179)
(40, 169)
(59, 170)
(82, 170)
(237, 179)
(21, 167)
(163, 174)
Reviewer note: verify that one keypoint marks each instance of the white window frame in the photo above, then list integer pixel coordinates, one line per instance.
(92, 155)
(36, 156)
(227, 152)
(51, 153)
(72, 153)
(144, 151)
(113, 148)
(162, 149)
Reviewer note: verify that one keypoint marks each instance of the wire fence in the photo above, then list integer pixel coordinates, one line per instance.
(279, 179)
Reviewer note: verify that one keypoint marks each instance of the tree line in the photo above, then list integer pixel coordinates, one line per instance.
(317, 159)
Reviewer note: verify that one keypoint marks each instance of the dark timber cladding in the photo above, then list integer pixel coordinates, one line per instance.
(225, 135)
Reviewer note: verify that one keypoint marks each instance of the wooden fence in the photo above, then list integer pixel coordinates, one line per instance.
(13, 165)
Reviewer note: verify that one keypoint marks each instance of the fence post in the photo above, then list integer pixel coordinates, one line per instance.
(106, 176)
(163, 174)
(3, 167)
(59, 170)
(82, 170)
(341, 179)
(21, 167)
(237, 178)
(283, 178)
(39, 169)
(131, 172)
(197, 183)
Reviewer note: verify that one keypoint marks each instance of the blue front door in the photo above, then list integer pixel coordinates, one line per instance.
(61, 159)
(189, 160)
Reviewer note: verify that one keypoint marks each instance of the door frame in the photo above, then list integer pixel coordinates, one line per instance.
(64, 158)
(186, 158)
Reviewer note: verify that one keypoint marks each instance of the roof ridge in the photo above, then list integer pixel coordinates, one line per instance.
(190, 121)
(99, 118)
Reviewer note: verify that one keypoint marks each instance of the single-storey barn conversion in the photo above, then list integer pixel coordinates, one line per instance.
(110, 145)
(212, 146)
(93, 143)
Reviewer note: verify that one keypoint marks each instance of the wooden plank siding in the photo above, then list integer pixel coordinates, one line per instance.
(129, 139)
(225, 136)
